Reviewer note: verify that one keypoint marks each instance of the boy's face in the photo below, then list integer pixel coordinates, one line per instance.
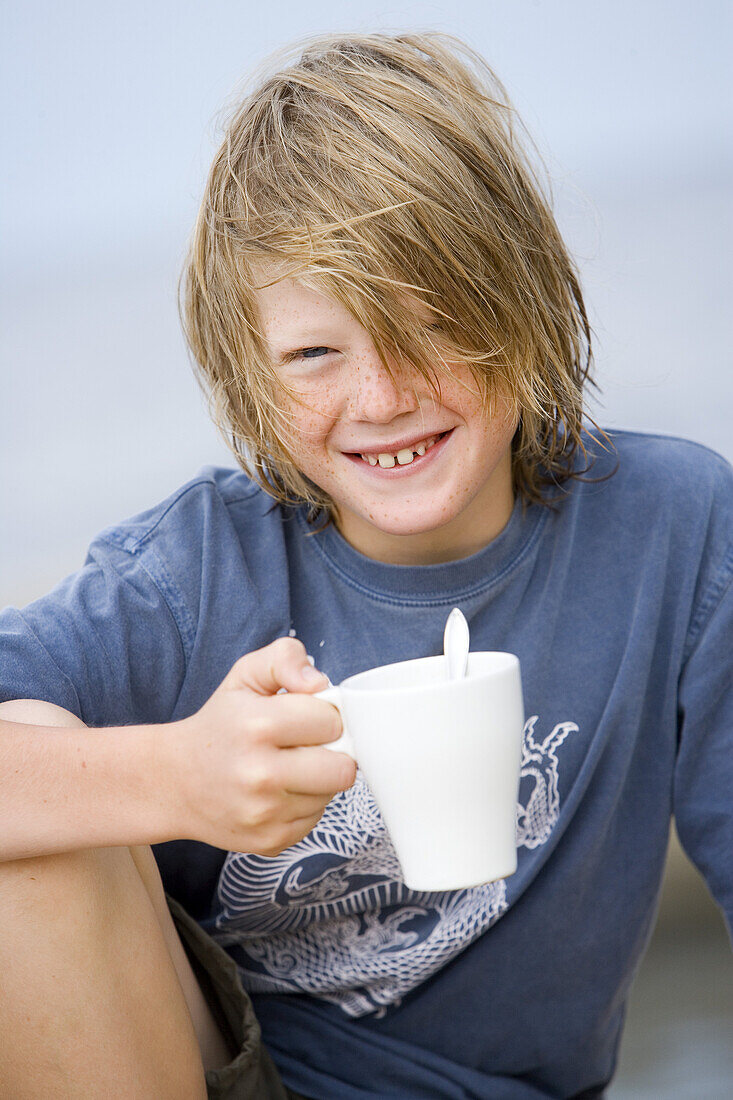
(455, 494)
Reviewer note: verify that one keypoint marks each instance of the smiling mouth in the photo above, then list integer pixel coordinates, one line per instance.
(387, 460)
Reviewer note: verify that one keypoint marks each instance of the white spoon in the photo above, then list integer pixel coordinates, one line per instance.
(456, 641)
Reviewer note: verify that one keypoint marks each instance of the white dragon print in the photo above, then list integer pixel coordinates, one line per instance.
(331, 916)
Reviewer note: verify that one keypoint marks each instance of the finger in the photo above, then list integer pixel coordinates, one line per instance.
(282, 664)
(296, 830)
(315, 771)
(296, 719)
(301, 806)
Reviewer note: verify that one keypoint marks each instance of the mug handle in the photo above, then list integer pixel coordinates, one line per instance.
(345, 742)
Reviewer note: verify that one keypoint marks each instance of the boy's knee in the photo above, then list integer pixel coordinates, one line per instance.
(37, 712)
(67, 884)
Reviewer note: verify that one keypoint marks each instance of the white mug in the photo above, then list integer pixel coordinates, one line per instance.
(442, 759)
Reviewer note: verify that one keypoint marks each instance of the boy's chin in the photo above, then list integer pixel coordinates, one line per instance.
(405, 528)
(399, 526)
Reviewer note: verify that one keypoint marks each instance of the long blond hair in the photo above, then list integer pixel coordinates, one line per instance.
(382, 170)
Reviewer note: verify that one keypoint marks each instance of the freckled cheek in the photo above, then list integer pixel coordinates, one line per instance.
(499, 430)
(308, 443)
(311, 418)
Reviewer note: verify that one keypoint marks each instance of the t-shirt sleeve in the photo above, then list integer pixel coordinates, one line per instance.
(105, 643)
(703, 795)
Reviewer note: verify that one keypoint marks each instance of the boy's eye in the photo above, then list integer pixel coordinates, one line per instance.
(313, 353)
(306, 353)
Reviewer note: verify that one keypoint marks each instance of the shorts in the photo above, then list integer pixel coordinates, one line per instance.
(252, 1074)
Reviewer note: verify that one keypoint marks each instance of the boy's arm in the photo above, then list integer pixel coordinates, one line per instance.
(245, 773)
(66, 787)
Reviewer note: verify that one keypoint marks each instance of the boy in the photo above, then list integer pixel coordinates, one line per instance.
(395, 345)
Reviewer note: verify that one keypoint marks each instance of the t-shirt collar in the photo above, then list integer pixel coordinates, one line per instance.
(439, 584)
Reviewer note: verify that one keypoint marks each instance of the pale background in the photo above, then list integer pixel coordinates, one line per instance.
(109, 128)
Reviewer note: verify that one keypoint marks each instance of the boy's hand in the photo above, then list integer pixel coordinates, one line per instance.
(249, 772)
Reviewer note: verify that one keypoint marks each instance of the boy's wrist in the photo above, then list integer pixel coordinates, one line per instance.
(161, 747)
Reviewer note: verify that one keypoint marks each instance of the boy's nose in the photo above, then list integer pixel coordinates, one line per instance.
(377, 397)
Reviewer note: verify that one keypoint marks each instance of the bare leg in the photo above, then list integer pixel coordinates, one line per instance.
(98, 997)
(215, 1051)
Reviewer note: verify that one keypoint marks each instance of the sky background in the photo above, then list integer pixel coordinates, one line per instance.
(111, 121)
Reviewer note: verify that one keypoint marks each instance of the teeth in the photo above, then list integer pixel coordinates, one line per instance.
(403, 457)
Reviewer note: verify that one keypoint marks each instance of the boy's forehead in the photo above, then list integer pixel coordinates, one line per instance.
(278, 292)
(284, 300)
(265, 272)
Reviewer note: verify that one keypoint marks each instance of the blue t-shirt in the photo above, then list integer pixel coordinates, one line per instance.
(619, 605)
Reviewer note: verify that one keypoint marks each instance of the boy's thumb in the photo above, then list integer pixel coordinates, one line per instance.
(283, 665)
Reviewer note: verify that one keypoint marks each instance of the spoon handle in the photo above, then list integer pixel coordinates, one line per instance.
(456, 642)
